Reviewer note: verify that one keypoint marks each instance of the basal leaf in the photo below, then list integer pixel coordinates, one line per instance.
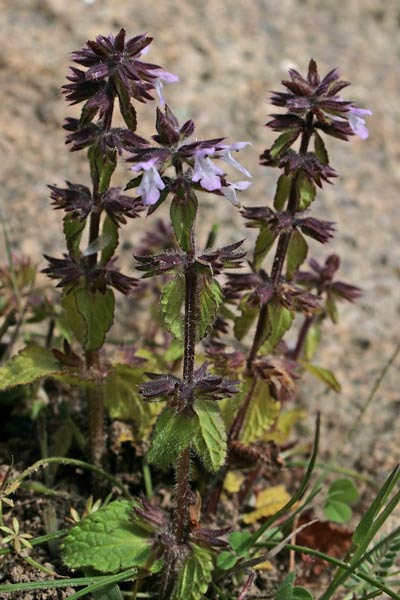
(183, 212)
(306, 190)
(195, 575)
(211, 444)
(173, 434)
(172, 304)
(29, 365)
(110, 232)
(244, 321)
(324, 375)
(210, 298)
(108, 541)
(282, 191)
(296, 253)
(279, 321)
(264, 243)
(123, 401)
(97, 312)
(261, 415)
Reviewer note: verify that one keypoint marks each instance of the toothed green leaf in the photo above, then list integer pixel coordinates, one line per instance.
(211, 443)
(296, 254)
(195, 575)
(109, 541)
(97, 312)
(173, 434)
(210, 299)
(262, 413)
(29, 365)
(172, 304)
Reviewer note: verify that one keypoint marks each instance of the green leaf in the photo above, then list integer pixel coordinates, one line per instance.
(210, 299)
(264, 243)
(110, 232)
(29, 365)
(337, 511)
(306, 190)
(72, 320)
(343, 489)
(331, 308)
(211, 443)
(123, 401)
(262, 413)
(108, 541)
(173, 434)
(195, 575)
(183, 213)
(226, 560)
(97, 312)
(73, 230)
(296, 254)
(239, 541)
(282, 191)
(244, 321)
(174, 352)
(320, 149)
(283, 142)
(324, 375)
(312, 342)
(279, 321)
(172, 304)
(300, 593)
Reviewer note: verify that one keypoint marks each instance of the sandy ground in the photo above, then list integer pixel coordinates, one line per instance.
(228, 55)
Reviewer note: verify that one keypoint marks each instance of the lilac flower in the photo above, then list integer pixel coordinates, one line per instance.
(163, 77)
(151, 183)
(229, 190)
(356, 121)
(206, 172)
(226, 155)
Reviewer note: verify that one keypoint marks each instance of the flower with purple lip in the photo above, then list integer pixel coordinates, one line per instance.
(151, 183)
(356, 121)
(193, 162)
(206, 172)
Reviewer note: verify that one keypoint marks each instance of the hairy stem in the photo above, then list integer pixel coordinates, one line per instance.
(183, 468)
(94, 396)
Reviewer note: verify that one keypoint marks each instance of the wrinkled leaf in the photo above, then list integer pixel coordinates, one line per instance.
(108, 541)
(279, 321)
(306, 191)
(268, 502)
(296, 253)
(123, 401)
(261, 415)
(173, 434)
(183, 213)
(172, 304)
(264, 243)
(97, 312)
(324, 375)
(282, 191)
(29, 365)
(211, 444)
(195, 575)
(210, 298)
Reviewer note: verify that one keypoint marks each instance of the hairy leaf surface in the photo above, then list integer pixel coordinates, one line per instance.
(211, 444)
(29, 365)
(195, 575)
(172, 304)
(108, 541)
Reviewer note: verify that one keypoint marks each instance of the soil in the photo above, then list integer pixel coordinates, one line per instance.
(228, 55)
